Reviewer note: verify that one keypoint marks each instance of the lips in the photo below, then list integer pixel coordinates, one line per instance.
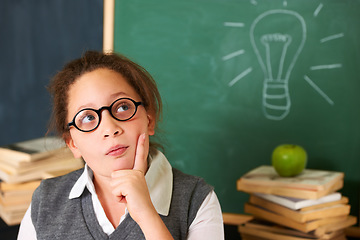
(117, 150)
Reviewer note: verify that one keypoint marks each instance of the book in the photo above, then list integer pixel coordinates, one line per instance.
(248, 233)
(11, 218)
(15, 198)
(235, 218)
(14, 164)
(310, 184)
(352, 231)
(301, 216)
(343, 200)
(70, 163)
(31, 150)
(26, 167)
(6, 188)
(349, 221)
(298, 203)
(17, 194)
(275, 228)
(284, 221)
(297, 193)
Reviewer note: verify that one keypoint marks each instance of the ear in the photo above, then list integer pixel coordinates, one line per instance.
(151, 124)
(72, 146)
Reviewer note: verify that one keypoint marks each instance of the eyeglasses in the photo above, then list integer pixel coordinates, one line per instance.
(88, 119)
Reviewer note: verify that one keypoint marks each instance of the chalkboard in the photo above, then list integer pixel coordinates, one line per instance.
(239, 77)
(36, 39)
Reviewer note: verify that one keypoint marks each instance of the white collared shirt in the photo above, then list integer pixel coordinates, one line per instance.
(208, 223)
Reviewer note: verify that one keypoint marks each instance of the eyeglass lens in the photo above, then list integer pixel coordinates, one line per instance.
(122, 110)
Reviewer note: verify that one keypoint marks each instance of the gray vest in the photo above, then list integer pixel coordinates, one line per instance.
(55, 216)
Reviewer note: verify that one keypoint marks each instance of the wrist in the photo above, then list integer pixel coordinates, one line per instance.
(153, 227)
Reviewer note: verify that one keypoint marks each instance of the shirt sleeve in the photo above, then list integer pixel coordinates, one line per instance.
(208, 223)
(27, 229)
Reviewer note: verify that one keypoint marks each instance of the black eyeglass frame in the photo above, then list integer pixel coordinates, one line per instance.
(98, 112)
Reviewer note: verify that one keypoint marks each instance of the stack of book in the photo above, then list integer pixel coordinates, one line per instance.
(23, 165)
(15, 199)
(307, 206)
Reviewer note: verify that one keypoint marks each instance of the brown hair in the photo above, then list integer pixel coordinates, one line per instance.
(134, 74)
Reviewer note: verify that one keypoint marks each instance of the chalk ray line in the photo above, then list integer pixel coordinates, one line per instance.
(240, 76)
(317, 10)
(234, 24)
(332, 37)
(331, 102)
(234, 54)
(330, 66)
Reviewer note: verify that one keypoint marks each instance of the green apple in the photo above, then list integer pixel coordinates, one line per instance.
(289, 160)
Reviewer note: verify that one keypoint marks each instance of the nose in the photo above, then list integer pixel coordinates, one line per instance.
(109, 126)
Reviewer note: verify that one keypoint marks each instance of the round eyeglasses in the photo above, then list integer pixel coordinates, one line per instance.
(88, 119)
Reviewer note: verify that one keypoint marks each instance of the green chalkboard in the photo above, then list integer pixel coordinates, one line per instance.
(239, 77)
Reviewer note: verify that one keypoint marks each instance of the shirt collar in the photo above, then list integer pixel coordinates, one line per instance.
(85, 180)
(159, 179)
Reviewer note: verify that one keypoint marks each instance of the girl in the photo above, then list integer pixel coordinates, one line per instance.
(105, 108)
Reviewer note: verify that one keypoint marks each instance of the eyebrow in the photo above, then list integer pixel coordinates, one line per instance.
(118, 94)
(113, 96)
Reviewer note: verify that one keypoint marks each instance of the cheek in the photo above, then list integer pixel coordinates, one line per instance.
(91, 153)
(140, 129)
(83, 145)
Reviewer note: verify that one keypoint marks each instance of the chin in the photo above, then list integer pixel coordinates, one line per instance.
(122, 165)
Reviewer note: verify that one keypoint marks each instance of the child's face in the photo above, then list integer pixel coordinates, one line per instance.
(96, 89)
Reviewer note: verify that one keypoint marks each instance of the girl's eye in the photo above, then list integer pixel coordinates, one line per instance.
(123, 107)
(87, 119)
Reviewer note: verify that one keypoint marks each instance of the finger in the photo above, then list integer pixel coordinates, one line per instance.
(142, 151)
(120, 197)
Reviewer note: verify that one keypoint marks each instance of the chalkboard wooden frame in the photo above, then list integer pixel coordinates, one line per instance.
(109, 18)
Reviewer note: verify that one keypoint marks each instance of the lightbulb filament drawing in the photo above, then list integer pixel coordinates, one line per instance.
(269, 41)
(277, 45)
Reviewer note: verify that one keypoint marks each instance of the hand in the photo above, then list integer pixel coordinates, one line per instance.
(129, 186)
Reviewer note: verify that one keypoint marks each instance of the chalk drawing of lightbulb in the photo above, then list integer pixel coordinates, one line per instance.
(277, 37)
